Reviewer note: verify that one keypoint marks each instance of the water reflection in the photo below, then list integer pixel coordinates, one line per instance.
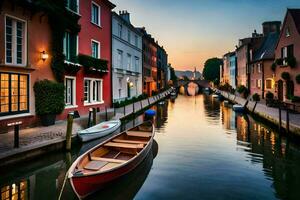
(206, 151)
(280, 158)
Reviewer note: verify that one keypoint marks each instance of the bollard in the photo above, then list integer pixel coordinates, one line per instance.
(90, 120)
(133, 108)
(287, 121)
(106, 116)
(124, 111)
(279, 109)
(141, 104)
(69, 131)
(94, 116)
(16, 133)
(148, 101)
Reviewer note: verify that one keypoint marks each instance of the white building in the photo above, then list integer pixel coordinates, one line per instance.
(126, 57)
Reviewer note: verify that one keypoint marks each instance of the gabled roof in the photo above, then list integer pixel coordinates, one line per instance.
(267, 49)
(295, 13)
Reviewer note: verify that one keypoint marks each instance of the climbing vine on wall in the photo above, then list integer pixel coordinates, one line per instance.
(60, 21)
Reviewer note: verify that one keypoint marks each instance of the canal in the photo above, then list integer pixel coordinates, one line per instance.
(203, 150)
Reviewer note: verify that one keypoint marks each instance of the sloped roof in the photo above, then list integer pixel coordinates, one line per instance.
(295, 13)
(267, 49)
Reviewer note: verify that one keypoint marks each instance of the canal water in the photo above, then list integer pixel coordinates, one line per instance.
(203, 150)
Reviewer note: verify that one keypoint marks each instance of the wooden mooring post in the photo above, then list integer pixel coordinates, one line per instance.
(106, 115)
(94, 116)
(69, 131)
(90, 116)
(16, 133)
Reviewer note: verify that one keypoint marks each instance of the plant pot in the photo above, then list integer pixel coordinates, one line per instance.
(48, 120)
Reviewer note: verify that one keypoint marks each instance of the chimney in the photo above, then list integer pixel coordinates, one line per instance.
(271, 27)
(125, 15)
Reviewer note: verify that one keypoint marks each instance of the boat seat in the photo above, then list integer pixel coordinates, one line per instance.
(138, 134)
(130, 141)
(111, 160)
(95, 165)
(124, 145)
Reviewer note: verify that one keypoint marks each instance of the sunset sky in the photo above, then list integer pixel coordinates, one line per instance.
(194, 30)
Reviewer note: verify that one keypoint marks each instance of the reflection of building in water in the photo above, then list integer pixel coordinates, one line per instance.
(279, 156)
(228, 118)
(211, 108)
(15, 191)
(162, 114)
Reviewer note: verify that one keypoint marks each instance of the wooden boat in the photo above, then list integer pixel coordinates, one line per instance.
(98, 131)
(111, 159)
(238, 108)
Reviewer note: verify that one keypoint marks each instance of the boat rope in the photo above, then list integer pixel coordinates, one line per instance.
(63, 186)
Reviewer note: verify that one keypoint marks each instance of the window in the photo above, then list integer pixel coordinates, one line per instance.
(120, 30)
(136, 40)
(70, 89)
(95, 49)
(73, 5)
(287, 32)
(269, 84)
(96, 14)
(119, 59)
(258, 83)
(253, 69)
(14, 93)
(137, 62)
(128, 61)
(15, 40)
(70, 46)
(287, 51)
(129, 36)
(120, 87)
(259, 68)
(93, 91)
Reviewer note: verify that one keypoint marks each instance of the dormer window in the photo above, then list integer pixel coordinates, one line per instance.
(287, 32)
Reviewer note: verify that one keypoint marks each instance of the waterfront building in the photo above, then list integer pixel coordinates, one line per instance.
(25, 42)
(127, 57)
(232, 70)
(90, 86)
(225, 69)
(244, 51)
(262, 75)
(149, 63)
(162, 65)
(287, 56)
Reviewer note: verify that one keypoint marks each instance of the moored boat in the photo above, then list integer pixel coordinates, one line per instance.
(111, 159)
(99, 130)
(238, 108)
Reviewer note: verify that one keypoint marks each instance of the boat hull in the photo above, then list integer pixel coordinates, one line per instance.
(238, 108)
(92, 136)
(87, 185)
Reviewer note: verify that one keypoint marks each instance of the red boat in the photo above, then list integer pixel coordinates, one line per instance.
(110, 160)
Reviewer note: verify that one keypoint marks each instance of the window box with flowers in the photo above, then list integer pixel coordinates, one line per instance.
(92, 65)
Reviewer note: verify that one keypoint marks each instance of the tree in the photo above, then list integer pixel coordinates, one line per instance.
(211, 70)
(173, 76)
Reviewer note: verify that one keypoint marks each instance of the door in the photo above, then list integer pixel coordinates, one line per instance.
(280, 90)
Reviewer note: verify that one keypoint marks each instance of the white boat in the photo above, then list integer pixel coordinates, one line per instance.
(238, 108)
(215, 96)
(173, 93)
(98, 131)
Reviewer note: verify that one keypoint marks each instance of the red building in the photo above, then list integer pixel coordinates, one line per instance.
(24, 36)
(90, 86)
(261, 72)
(287, 55)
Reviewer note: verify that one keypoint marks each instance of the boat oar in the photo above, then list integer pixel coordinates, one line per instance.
(68, 163)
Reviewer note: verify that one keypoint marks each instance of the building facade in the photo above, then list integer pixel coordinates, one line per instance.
(225, 69)
(262, 75)
(149, 63)
(127, 57)
(287, 56)
(162, 67)
(24, 38)
(232, 70)
(90, 86)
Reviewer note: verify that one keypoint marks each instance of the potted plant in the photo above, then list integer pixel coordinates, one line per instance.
(49, 100)
(269, 98)
(255, 97)
(291, 61)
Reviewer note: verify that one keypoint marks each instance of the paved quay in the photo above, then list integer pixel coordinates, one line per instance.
(269, 113)
(41, 140)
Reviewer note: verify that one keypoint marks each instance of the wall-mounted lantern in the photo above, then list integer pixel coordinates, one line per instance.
(44, 56)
